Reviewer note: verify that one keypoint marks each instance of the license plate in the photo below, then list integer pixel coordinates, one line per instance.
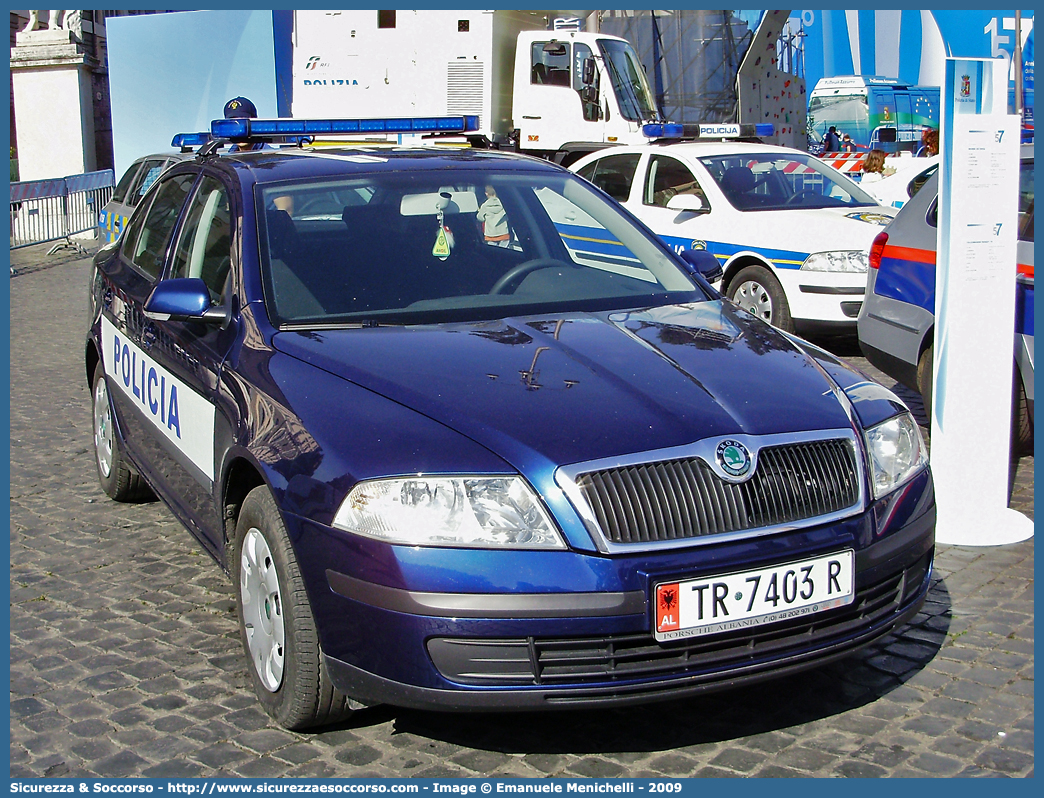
(695, 607)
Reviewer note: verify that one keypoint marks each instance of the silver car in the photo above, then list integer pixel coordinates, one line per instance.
(897, 321)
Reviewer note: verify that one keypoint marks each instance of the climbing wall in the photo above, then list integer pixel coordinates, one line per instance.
(767, 94)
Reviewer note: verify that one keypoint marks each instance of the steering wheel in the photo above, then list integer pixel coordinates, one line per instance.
(524, 268)
(801, 195)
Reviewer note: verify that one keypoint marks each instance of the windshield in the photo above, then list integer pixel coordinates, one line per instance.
(848, 113)
(775, 181)
(629, 82)
(432, 246)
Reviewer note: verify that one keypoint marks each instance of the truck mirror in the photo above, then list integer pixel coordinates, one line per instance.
(886, 135)
(589, 94)
(555, 48)
(589, 71)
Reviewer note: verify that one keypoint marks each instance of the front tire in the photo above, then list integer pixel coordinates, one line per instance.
(276, 623)
(756, 290)
(117, 477)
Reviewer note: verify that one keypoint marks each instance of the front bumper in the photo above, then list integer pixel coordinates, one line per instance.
(531, 649)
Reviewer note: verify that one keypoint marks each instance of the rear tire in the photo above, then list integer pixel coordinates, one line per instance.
(925, 367)
(118, 478)
(1021, 421)
(276, 623)
(756, 290)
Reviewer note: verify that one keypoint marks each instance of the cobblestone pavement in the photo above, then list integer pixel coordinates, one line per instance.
(125, 659)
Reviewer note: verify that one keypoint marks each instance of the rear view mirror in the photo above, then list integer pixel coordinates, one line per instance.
(703, 263)
(589, 94)
(589, 72)
(183, 299)
(693, 203)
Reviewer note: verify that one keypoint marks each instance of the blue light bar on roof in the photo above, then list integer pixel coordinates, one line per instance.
(261, 128)
(190, 140)
(675, 130)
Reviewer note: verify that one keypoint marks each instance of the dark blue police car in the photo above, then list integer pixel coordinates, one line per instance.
(456, 464)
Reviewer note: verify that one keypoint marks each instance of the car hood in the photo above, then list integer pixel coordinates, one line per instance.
(576, 387)
(827, 229)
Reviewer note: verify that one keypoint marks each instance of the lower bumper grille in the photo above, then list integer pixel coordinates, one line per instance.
(577, 661)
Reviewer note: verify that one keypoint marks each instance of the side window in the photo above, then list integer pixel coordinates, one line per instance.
(121, 190)
(147, 175)
(667, 177)
(550, 64)
(613, 174)
(205, 244)
(150, 248)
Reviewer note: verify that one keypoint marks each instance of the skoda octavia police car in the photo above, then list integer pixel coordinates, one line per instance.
(791, 233)
(456, 470)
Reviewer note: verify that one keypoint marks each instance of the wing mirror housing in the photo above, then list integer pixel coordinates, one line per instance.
(703, 263)
(184, 299)
(588, 75)
(692, 203)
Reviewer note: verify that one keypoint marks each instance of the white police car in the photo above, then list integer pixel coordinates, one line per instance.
(791, 233)
(134, 184)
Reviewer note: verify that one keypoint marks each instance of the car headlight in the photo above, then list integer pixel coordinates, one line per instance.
(896, 451)
(477, 512)
(839, 261)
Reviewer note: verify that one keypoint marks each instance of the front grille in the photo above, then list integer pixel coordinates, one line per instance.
(561, 662)
(679, 499)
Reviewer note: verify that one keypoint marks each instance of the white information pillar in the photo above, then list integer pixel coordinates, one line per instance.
(975, 308)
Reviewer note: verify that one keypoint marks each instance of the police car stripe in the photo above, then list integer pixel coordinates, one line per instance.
(183, 416)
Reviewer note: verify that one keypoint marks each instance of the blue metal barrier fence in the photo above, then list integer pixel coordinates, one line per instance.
(55, 210)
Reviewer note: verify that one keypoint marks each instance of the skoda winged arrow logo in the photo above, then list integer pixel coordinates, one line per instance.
(733, 457)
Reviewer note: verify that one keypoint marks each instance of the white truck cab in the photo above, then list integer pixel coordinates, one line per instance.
(553, 93)
(573, 89)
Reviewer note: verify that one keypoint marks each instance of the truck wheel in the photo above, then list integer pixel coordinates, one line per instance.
(758, 292)
(925, 366)
(118, 479)
(276, 622)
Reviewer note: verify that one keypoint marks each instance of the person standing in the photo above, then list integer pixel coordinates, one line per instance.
(831, 141)
(242, 108)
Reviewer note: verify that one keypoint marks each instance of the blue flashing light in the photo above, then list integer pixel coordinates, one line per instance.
(724, 130)
(261, 128)
(666, 130)
(183, 140)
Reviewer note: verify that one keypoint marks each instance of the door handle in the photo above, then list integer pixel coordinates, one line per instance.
(148, 337)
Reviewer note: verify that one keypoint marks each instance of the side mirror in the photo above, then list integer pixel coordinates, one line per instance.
(184, 299)
(588, 75)
(589, 94)
(703, 263)
(693, 203)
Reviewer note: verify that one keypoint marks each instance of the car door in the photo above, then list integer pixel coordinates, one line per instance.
(194, 354)
(665, 177)
(142, 407)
